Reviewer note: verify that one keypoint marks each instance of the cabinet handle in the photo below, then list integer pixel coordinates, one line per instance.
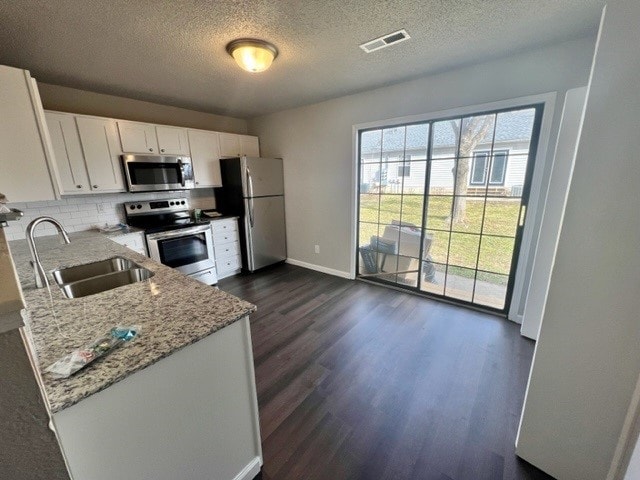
(162, 150)
(78, 186)
(95, 186)
(151, 149)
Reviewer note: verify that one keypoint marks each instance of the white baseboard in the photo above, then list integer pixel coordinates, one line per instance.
(250, 471)
(319, 268)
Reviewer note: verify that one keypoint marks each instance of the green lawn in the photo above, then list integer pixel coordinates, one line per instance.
(500, 218)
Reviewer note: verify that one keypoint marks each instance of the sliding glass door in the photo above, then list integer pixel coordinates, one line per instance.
(442, 204)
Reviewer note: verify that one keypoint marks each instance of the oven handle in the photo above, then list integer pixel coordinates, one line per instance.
(178, 233)
(181, 166)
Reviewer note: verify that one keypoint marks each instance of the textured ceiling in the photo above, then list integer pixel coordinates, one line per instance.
(173, 52)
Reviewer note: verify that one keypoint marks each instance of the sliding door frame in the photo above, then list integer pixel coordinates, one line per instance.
(537, 191)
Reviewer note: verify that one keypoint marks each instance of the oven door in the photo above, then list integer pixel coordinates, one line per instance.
(147, 173)
(188, 250)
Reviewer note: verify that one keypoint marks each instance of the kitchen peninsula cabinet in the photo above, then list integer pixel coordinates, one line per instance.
(26, 151)
(205, 158)
(177, 402)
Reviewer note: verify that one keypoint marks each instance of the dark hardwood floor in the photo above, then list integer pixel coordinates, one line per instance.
(357, 381)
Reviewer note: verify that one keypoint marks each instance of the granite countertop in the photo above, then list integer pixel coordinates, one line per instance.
(126, 230)
(172, 311)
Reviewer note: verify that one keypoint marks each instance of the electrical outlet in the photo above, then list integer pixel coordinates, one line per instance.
(100, 208)
(317, 248)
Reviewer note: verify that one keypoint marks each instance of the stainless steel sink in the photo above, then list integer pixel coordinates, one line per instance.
(93, 269)
(108, 281)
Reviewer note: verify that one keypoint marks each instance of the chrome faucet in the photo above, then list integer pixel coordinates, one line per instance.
(41, 276)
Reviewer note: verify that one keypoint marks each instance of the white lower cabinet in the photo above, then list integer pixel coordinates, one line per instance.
(192, 415)
(133, 240)
(226, 247)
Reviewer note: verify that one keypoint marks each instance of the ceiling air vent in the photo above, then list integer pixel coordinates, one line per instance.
(385, 41)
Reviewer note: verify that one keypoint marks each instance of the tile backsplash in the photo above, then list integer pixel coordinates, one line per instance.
(77, 213)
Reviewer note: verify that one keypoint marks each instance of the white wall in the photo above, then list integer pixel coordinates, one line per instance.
(554, 205)
(587, 359)
(316, 141)
(65, 99)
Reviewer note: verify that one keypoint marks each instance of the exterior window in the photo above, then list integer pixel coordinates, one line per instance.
(480, 166)
(499, 167)
(404, 170)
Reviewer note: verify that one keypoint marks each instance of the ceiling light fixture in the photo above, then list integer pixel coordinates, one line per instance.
(252, 55)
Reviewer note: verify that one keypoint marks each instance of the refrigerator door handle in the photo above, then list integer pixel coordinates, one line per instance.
(251, 212)
(249, 183)
(250, 195)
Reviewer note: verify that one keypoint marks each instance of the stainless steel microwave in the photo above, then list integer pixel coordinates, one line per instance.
(152, 173)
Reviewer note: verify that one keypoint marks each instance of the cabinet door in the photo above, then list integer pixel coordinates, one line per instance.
(68, 161)
(24, 175)
(205, 155)
(229, 145)
(172, 140)
(249, 146)
(138, 137)
(99, 138)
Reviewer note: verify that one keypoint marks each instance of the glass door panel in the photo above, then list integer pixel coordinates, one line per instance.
(440, 202)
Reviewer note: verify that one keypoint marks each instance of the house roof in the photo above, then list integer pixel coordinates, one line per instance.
(513, 126)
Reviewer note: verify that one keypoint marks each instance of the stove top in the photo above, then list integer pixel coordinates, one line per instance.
(160, 215)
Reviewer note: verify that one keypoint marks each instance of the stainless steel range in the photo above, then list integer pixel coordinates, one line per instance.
(174, 238)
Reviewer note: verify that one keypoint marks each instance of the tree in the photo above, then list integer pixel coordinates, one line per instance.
(471, 133)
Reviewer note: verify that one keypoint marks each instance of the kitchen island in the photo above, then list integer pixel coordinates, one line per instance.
(178, 401)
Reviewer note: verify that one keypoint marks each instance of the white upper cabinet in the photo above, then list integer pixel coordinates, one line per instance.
(234, 145)
(249, 146)
(99, 139)
(26, 152)
(205, 154)
(229, 145)
(172, 140)
(146, 138)
(138, 137)
(68, 164)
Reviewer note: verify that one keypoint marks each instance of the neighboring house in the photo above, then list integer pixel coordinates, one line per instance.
(394, 158)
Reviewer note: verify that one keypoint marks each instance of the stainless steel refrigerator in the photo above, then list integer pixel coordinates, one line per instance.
(253, 189)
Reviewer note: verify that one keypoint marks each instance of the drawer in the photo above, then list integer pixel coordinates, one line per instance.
(224, 226)
(229, 264)
(225, 250)
(224, 238)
